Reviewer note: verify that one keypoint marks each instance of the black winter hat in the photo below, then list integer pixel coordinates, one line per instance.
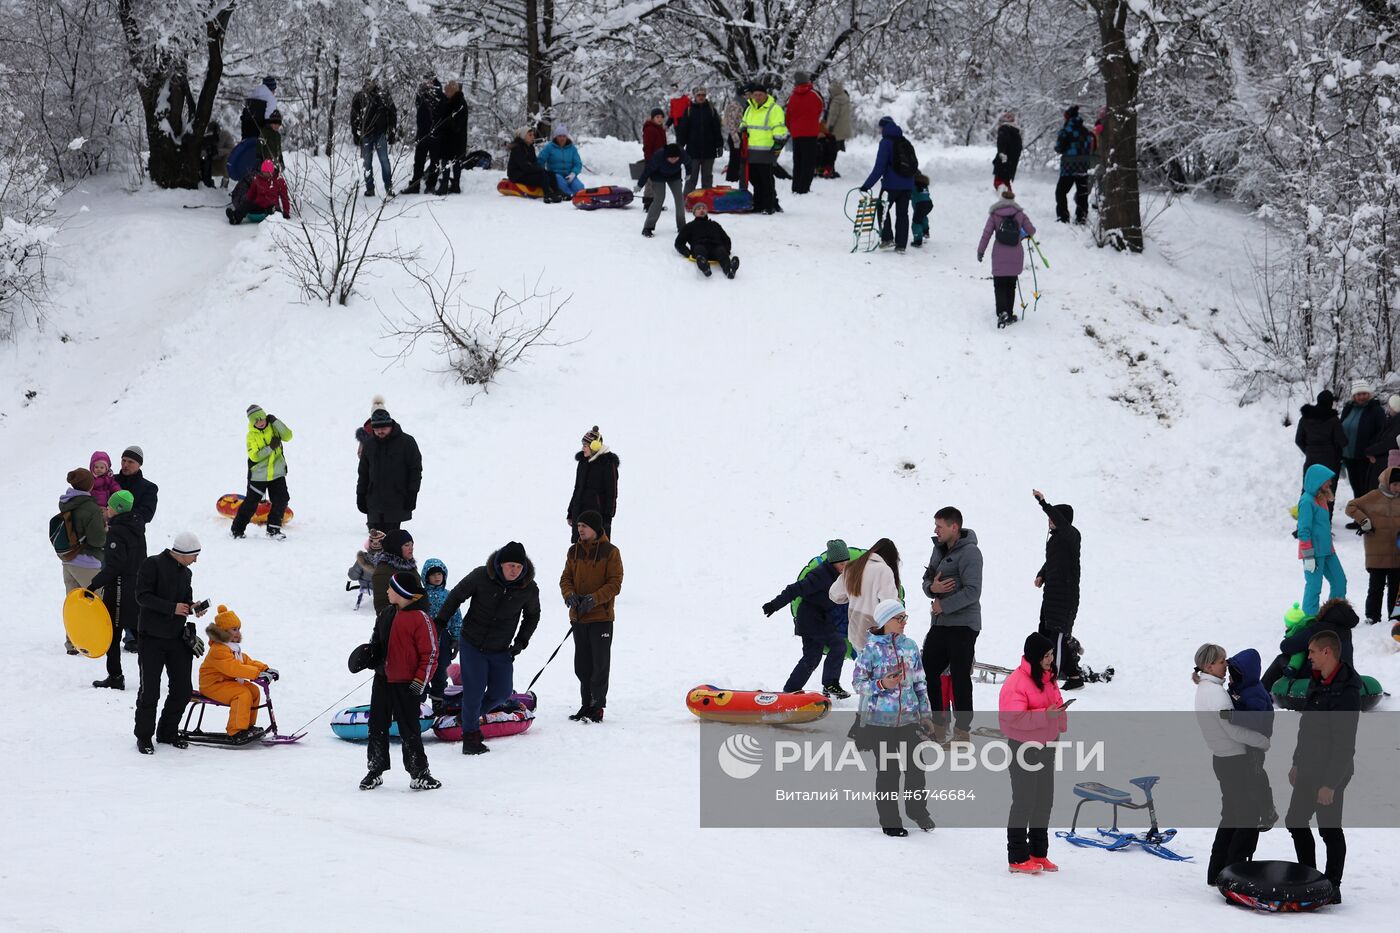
(379, 418)
(673, 151)
(1325, 399)
(593, 520)
(395, 540)
(512, 553)
(1072, 111)
(406, 584)
(657, 112)
(1036, 646)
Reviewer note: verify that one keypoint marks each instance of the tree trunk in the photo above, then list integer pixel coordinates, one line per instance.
(532, 59)
(332, 103)
(1120, 206)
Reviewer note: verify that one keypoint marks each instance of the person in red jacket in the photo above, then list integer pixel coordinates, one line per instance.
(265, 193)
(405, 646)
(678, 103)
(653, 140)
(804, 118)
(1032, 713)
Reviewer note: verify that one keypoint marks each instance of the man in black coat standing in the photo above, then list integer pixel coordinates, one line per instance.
(701, 135)
(164, 591)
(1058, 580)
(1363, 418)
(705, 241)
(1325, 758)
(391, 472)
(428, 102)
(595, 483)
(145, 492)
(121, 562)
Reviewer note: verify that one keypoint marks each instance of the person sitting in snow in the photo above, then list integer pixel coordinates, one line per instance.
(523, 167)
(227, 675)
(435, 587)
(705, 241)
(560, 157)
(259, 196)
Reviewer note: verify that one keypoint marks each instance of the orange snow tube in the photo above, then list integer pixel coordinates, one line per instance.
(512, 190)
(753, 706)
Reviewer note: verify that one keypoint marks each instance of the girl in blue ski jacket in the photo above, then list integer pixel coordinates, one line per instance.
(561, 157)
(435, 586)
(1254, 709)
(1315, 539)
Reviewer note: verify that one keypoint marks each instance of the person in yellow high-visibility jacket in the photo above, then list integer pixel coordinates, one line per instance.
(267, 472)
(765, 129)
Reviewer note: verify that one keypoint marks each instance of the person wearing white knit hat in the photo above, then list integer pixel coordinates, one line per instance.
(1363, 417)
(167, 641)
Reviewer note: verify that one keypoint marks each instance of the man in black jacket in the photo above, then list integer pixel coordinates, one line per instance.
(373, 118)
(815, 622)
(705, 241)
(145, 492)
(164, 591)
(121, 562)
(1325, 758)
(1058, 580)
(497, 626)
(1363, 418)
(700, 133)
(391, 472)
(595, 483)
(428, 104)
(452, 138)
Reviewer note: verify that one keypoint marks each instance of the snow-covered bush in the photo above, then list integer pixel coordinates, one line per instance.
(27, 201)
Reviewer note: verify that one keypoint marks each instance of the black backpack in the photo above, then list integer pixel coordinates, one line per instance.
(905, 161)
(1009, 231)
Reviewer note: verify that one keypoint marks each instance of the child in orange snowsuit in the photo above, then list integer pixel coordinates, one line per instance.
(227, 673)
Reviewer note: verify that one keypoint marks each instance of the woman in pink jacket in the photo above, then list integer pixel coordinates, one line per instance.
(1008, 223)
(1032, 713)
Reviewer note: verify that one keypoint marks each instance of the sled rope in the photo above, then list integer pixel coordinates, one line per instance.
(551, 658)
(333, 704)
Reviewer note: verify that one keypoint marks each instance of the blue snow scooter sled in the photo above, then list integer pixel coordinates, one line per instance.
(1116, 840)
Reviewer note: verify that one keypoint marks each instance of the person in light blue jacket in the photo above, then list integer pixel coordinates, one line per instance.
(435, 588)
(1315, 539)
(561, 157)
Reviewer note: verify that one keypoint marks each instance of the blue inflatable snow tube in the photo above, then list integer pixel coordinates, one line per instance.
(353, 724)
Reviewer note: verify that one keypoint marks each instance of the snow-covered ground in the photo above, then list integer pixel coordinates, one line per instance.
(821, 394)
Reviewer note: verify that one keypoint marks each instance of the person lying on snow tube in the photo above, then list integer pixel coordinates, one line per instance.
(259, 196)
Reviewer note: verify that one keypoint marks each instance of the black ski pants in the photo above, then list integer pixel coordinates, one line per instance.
(1004, 287)
(812, 646)
(1360, 475)
(397, 702)
(806, 150)
(952, 647)
(422, 149)
(898, 763)
(1080, 184)
(120, 598)
(899, 206)
(172, 656)
(1301, 808)
(1383, 583)
(1238, 834)
(592, 661)
(1032, 796)
(1060, 630)
(380, 521)
(276, 492)
(765, 195)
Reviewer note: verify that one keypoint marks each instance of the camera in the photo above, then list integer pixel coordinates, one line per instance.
(199, 607)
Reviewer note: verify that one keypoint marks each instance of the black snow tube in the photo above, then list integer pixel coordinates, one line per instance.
(1278, 887)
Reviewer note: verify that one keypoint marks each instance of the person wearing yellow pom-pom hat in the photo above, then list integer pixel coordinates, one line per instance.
(595, 483)
(227, 675)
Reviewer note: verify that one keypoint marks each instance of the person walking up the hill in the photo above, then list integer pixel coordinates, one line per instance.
(1058, 581)
(1362, 419)
(168, 642)
(121, 562)
(705, 241)
(896, 164)
(804, 117)
(267, 472)
(590, 584)
(1008, 155)
(700, 133)
(953, 581)
(653, 141)
(373, 122)
(523, 167)
(815, 622)
(866, 581)
(1320, 435)
(404, 648)
(837, 127)
(595, 483)
(1008, 222)
(497, 626)
(390, 474)
(664, 171)
(764, 126)
(1032, 714)
(1377, 517)
(1075, 144)
(1315, 539)
(427, 104)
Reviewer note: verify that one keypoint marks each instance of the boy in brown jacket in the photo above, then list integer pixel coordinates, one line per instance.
(1377, 514)
(590, 583)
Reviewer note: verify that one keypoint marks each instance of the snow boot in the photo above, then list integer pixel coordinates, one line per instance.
(232, 217)
(145, 747)
(442, 185)
(455, 187)
(581, 715)
(918, 243)
(926, 823)
(1002, 321)
(129, 645)
(835, 692)
(274, 533)
(425, 781)
(372, 780)
(646, 232)
(898, 832)
(704, 266)
(1029, 867)
(1044, 863)
(369, 191)
(388, 192)
(68, 647)
(178, 742)
(595, 714)
(962, 735)
(733, 267)
(245, 736)
(111, 683)
(472, 743)
(899, 251)
(1073, 683)
(236, 535)
(887, 244)
(411, 189)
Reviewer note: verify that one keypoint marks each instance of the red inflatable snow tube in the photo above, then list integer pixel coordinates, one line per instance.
(512, 190)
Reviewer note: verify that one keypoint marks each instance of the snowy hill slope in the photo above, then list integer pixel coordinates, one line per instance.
(754, 420)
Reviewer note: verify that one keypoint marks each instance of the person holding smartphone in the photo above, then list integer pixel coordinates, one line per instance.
(167, 642)
(1031, 713)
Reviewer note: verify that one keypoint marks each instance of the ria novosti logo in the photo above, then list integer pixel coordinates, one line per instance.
(740, 756)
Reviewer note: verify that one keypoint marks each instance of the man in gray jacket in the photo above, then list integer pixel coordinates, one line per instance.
(953, 580)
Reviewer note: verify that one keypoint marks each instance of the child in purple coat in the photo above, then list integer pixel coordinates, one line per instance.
(104, 484)
(1009, 225)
